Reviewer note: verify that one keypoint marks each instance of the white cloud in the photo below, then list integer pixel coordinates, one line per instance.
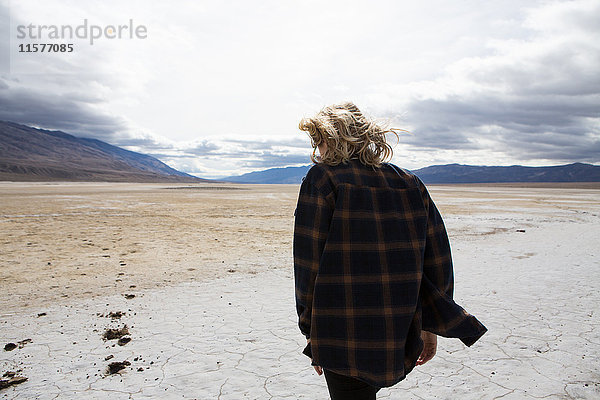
(534, 100)
(503, 82)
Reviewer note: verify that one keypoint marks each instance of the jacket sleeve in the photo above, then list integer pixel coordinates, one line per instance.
(440, 314)
(437, 262)
(311, 226)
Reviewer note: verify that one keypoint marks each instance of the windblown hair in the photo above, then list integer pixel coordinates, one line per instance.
(348, 134)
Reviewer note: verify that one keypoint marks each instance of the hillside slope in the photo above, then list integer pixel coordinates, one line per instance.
(30, 154)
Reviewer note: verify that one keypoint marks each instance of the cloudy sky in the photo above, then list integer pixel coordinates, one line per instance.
(216, 88)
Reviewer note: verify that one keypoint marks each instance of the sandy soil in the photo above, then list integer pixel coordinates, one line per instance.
(87, 239)
(65, 240)
(210, 309)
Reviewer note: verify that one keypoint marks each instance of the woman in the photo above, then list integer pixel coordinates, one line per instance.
(372, 264)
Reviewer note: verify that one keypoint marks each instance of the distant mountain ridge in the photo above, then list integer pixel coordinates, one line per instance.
(31, 154)
(457, 173)
(452, 173)
(290, 175)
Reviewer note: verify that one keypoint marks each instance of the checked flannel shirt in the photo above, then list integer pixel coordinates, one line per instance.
(372, 268)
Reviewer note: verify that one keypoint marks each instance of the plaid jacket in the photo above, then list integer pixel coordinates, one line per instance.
(372, 268)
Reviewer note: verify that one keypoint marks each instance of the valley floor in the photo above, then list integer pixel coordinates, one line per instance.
(202, 279)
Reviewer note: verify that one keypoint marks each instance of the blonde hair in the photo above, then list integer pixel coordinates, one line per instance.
(348, 134)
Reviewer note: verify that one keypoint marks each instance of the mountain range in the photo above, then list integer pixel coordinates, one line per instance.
(292, 175)
(31, 154)
(457, 173)
(451, 173)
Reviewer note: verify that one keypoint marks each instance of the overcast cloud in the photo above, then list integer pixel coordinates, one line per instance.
(218, 88)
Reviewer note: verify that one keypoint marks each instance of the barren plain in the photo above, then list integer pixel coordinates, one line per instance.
(198, 279)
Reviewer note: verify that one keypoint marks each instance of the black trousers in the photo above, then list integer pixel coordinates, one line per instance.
(347, 388)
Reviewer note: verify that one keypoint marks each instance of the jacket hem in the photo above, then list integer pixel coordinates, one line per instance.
(308, 352)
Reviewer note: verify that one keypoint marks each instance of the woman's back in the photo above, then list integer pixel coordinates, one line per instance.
(365, 318)
(372, 260)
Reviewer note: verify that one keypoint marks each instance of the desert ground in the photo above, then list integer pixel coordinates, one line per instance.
(186, 291)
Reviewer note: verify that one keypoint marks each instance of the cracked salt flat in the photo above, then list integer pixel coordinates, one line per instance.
(236, 337)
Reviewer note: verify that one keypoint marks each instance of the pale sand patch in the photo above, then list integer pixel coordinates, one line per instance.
(236, 336)
(87, 239)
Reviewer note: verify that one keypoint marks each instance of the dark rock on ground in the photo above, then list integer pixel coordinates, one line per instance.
(117, 366)
(115, 333)
(10, 346)
(116, 314)
(10, 378)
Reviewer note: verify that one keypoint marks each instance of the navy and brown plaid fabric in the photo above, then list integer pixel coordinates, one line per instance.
(372, 268)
